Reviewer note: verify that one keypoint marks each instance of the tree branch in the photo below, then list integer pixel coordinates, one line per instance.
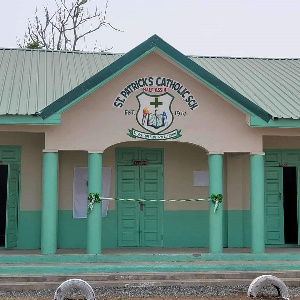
(63, 28)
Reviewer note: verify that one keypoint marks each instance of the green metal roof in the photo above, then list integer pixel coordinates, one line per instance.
(272, 84)
(31, 80)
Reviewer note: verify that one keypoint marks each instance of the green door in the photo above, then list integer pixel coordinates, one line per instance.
(151, 187)
(140, 223)
(12, 206)
(128, 212)
(274, 228)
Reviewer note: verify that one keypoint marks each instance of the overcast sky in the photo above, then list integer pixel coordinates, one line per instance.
(248, 28)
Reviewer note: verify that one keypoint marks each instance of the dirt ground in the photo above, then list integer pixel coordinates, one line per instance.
(241, 297)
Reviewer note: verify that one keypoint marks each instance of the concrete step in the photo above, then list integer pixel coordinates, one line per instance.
(16, 257)
(154, 263)
(27, 286)
(98, 268)
(176, 276)
(30, 282)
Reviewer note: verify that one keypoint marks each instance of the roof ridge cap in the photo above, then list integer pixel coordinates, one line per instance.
(60, 51)
(246, 57)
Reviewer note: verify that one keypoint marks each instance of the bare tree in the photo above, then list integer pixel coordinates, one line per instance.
(65, 27)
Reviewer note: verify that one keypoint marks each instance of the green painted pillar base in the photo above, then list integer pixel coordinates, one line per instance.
(94, 218)
(215, 162)
(257, 204)
(49, 205)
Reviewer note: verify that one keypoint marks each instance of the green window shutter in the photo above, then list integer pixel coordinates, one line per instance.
(12, 206)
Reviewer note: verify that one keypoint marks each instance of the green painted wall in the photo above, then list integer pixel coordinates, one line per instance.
(239, 229)
(181, 229)
(185, 228)
(29, 230)
(72, 232)
(189, 229)
(225, 228)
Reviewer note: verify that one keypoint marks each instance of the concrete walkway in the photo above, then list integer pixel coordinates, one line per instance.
(26, 269)
(149, 251)
(293, 250)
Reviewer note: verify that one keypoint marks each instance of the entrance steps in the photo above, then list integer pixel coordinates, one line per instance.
(184, 279)
(40, 276)
(35, 272)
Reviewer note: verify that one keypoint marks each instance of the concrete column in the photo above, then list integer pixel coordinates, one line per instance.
(257, 205)
(215, 163)
(49, 205)
(94, 219)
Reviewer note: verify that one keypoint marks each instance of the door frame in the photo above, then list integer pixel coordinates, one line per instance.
(279, 196)
(122, 163)
(12, 155)
(276, 157)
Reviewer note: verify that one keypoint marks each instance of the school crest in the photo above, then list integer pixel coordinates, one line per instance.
(155, 116)
(154, 113)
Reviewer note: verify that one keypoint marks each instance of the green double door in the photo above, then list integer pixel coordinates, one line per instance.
(140, 223)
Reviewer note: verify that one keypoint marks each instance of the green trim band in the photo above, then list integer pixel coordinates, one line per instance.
(54, 119)
(255, 121)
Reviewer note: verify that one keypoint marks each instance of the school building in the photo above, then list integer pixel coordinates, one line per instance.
(151, 124)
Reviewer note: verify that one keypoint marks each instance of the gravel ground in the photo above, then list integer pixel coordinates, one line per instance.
(148, 291)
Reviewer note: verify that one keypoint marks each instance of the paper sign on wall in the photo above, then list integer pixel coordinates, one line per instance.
(201, 178)
(80, 191)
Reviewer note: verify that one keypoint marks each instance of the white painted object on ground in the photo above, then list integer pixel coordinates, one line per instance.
(265, 280)
(80, 285)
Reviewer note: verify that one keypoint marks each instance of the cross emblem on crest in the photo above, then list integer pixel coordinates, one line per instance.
(156, 102)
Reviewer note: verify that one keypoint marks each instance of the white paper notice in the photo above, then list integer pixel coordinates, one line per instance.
(201, 178)
(80, 191)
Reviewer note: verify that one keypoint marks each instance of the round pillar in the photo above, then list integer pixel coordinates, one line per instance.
(257, 205)
(94, 218)
(49, 202)
(215, 163)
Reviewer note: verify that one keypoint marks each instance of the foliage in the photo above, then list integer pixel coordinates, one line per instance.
(34, 45)
(216, 199)
(93, 198)
(64, 28)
